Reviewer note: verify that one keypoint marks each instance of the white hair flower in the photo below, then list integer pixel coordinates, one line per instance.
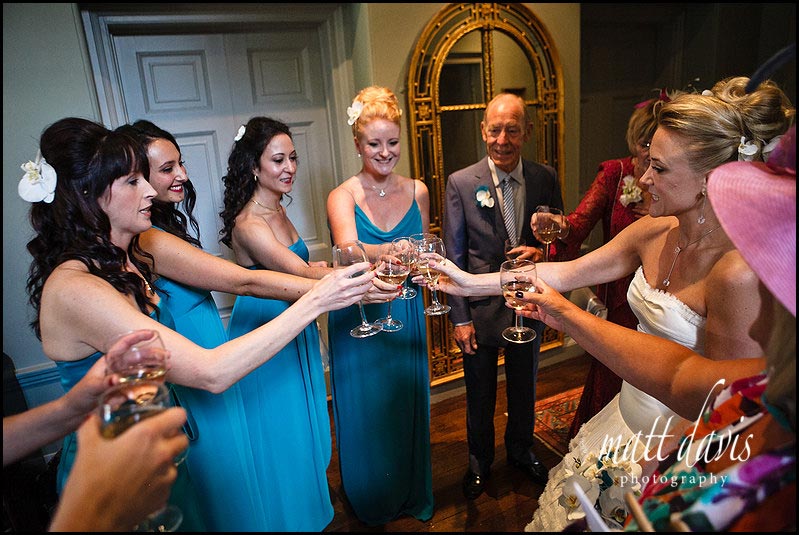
(630, 192)
(354, 111)
(39, 181)
(707, 93)
(747, 150)
(240, 133)
(770, 146)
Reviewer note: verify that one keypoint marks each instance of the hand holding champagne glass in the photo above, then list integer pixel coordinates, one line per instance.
(517, 276)
(431, 246)
(123, 406)
(145, 360)
(512, 251)
(347, 254)
(548, 224)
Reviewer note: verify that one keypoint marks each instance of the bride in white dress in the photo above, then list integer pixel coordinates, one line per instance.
(691, 285)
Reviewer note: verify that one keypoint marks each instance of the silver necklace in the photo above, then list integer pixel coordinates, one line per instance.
(678, 250)
(381, 192)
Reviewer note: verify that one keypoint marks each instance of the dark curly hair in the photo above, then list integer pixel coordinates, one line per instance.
(87, 158)
(166, 215)
(239, 180)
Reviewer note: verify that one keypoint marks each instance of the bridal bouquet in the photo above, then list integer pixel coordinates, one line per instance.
(605, 479)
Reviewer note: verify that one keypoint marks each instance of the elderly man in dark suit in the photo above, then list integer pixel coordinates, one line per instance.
(487, 203)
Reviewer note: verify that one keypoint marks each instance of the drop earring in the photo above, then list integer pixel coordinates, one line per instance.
(255, 177)
(701, 218)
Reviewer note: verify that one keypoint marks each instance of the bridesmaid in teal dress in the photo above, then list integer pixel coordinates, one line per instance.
(216, 423)
(380, 384)
(286, 398)
(288, 418)
(185, 492)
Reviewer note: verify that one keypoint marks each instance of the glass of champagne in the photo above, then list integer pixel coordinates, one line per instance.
(145, 360)
(517, 276)
(549, 225)
(393, 270)
(410, 253)
(513, 251)
(347, 254)
(430, 246)
(121, 407)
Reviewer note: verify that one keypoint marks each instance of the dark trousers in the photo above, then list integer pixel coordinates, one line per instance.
(480, 376)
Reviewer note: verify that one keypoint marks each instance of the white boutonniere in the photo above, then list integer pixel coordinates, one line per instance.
(39, 181)
(354, 111)
(630, 192)
(240, 133)
(482, 196)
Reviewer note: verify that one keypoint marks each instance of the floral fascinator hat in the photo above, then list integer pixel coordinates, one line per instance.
(756, 204)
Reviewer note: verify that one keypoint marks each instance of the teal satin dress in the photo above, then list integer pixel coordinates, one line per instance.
(381, 400)
(288, 419)
(220, 459)
(185, 493)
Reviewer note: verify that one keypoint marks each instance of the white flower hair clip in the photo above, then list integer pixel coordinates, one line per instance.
(38, 182)
(707, 93)
(354, 111)
(630, 192)
(770, 146)
(240, 133)
(747, 150)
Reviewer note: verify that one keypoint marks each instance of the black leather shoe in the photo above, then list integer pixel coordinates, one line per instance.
(473, 485)
(535, 470)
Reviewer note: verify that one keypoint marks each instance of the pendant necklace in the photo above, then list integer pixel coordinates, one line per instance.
(273, 210)
(678, 250)
(381, 192)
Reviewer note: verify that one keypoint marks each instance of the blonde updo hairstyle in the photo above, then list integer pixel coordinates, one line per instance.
(378, 103)
(713, 123)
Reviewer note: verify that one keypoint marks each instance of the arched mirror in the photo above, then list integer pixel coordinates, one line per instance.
(467, 54)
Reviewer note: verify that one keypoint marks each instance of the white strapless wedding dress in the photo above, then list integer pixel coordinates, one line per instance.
(631, 411)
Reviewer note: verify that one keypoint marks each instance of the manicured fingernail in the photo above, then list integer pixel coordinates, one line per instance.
(519, 294)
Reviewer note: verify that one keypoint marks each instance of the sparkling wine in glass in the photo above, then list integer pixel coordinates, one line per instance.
(409, 256)
(549, 225)
(123, 406)
(513, 251)
(347, 254)
(517, 276)
(394, 270)
(429, 248)
(145, 360)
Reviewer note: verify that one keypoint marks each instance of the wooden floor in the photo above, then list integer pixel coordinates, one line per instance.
(510, 498)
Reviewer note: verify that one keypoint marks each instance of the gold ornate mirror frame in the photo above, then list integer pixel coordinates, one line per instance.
(491, 30)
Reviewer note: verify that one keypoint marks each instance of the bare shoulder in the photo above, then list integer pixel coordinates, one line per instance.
(731, 272)
(344, 193)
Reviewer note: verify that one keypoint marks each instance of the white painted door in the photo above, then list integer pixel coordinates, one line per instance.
(202, 87)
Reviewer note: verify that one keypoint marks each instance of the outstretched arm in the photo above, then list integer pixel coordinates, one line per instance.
(677, 376)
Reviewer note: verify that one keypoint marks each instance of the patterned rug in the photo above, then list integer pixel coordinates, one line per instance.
(553, 417)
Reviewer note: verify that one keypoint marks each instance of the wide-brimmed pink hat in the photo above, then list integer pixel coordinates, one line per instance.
(756, 204)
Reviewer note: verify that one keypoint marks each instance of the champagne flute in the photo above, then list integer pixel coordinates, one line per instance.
(145, 360)
(549, 225)
(513, 251)
(393, 270)
(347, 254)
(517, 276)
(407, 291)
(121, 407)
(427, 247)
